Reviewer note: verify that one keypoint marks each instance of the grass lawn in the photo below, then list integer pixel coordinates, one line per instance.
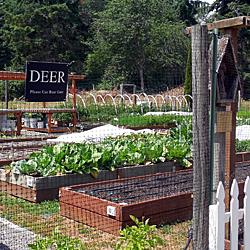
(44, 218)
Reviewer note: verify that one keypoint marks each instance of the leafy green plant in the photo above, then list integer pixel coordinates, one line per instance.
(107, 112)
(242, 146)
(89, 158)
(243, 113)
(149, 120)
(33, 115)
(139, 237)
(57, 241)
(62, 117)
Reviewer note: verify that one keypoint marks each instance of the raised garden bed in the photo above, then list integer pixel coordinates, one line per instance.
(149, 121)
(243, 157)
(37, 189)
(155, 127)
(14, 151)
(25, 139)
(164, 197)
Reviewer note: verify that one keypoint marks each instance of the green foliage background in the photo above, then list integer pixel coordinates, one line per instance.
(112, 41)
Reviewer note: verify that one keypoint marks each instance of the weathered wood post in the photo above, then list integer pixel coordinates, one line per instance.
(232, 109)
(227, 82)
(6, 94)
(201, 178)
(74, 91)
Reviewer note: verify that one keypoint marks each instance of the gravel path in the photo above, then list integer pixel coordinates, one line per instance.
(14, 237)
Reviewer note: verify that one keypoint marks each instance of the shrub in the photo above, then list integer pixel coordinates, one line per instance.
(139, 237)
(57, 241)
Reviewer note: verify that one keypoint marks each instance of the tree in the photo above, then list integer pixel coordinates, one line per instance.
(230, 8)
(44, 30)
(5, 54)
(186, 11)
(132, 38)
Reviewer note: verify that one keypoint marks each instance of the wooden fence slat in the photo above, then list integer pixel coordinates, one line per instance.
(218, 218)
(220, 223)
(247, 214)
(213, 217)
(234, 220)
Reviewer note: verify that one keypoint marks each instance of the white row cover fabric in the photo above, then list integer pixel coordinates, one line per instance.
(243, 132)
(97, 134)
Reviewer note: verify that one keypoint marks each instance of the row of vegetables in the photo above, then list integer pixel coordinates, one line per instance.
(90, 158)
(139, 149)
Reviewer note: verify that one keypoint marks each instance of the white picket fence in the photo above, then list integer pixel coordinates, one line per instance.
(218, 218)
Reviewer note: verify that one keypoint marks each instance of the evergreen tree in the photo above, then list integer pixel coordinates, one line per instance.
(5, 53)
(44, 30)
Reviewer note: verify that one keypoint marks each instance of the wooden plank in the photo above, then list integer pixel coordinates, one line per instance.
(8, 75)
(236, 22)
(7, 162)
(144, 208)
(89, 218)
(76, 179)
(51, 130)
(90, 203)
(242, 157)
(234, 213)
(37, 110)
(247, 214)
(24, 139)
(163, 126)
(224, 122)
(151, 208)
(113, 225)
(39, 186)
(28, 193)
(54, 181)
(137, 178)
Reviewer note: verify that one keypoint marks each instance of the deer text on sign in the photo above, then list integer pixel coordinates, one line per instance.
(47, 76)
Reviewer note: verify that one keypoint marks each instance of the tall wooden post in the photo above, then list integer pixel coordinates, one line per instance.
(201, 178)
(230, 150)
(6, 94)
(74, 102)
(230, 136)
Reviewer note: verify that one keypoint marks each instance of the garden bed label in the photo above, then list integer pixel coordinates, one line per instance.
(46, 81)
(111, 211)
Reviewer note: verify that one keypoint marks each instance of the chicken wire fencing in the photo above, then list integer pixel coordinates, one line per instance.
(95, 184)
(81, 188)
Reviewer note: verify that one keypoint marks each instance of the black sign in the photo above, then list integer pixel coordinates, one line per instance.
(46, 81)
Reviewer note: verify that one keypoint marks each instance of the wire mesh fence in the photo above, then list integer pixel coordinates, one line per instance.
(127, 159)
